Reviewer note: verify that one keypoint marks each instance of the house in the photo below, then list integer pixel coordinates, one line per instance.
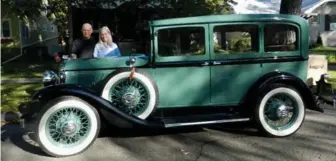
(321, 15)
(322, 22)
(37, 37)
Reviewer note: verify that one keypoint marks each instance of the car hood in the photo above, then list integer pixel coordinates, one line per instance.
(103, 63)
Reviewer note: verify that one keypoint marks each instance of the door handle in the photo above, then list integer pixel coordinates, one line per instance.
(216, 63)
(205, 64)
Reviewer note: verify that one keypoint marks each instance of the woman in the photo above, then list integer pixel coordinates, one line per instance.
(105, 47)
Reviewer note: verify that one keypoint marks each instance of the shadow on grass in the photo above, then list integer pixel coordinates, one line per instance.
(12, 95)
(27, 69)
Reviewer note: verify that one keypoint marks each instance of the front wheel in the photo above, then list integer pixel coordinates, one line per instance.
(280, 111)
(67, 126)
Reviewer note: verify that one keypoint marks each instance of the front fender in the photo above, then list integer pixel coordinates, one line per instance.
(284, 78)
(121, 119)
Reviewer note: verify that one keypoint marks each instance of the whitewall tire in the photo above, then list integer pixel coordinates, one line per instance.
(67, 126)
(280, 111)
(138, 98)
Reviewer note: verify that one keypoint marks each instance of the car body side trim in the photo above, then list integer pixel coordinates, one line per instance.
(205, 122)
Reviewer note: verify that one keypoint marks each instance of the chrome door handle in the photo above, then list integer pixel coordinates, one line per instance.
(205, 64)
(216, 63)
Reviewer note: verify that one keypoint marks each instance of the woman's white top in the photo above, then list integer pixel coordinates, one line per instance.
(106, 50)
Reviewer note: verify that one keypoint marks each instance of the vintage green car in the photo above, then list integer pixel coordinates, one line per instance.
(199, 70)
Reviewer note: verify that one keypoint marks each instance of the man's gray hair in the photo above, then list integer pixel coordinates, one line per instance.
(87, 24)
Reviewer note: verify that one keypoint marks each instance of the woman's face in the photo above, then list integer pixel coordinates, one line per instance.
(104, 36)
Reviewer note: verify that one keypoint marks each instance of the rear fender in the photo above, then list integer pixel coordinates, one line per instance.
(121, 119)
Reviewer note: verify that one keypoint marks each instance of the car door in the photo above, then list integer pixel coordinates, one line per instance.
(182, 70)
(234, 53)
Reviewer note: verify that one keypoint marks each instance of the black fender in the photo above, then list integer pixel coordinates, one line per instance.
(119, 118)
(284, 78)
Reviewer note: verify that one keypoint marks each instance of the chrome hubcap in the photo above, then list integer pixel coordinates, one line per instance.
(282, 111)
(130, 97)
(69, 128)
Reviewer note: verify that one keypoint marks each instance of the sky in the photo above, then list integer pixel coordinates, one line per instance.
(265, 6)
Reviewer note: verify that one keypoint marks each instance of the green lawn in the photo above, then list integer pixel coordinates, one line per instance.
(26, 70)
(323, 49)
(12, 95)
(332, 78)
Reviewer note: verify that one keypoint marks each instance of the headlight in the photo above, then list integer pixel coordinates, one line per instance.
(50, 78)
(62, 76)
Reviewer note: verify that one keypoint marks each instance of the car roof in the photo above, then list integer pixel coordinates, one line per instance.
(229, 18)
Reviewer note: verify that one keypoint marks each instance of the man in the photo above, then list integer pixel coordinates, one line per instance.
(84, 47)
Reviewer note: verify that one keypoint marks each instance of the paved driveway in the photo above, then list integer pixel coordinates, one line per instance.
(315, 141)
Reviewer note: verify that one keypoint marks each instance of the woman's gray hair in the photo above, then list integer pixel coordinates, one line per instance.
(109, 41)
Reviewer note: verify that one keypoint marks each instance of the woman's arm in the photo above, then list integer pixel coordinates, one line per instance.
(95, 52)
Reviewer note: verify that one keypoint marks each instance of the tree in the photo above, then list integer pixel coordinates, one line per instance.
(27, 11)
(185, 8)
(290, 7)
(24, 9)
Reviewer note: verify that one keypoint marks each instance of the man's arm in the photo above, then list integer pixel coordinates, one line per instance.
(74, 48)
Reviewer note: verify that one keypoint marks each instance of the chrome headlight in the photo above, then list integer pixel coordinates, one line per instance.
(62, 76)
(50, 78)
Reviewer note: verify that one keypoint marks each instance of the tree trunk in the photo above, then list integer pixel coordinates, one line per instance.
(290, 7)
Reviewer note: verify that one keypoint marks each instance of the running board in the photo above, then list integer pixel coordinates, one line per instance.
(201, 120)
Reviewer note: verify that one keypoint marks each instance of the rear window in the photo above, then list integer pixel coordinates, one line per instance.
(280, 37)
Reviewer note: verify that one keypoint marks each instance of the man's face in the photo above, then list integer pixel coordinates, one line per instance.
(86, 31)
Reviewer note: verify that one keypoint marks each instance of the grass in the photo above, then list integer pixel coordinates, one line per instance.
(12, 95)
(332, 78)
(27, 68)
(324, 49)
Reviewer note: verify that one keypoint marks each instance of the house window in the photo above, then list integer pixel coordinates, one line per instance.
(332, 22)
(25, 32)
(5, 29)
(52, 28)
(231, 39)
(184, 41)
(280, 37)
(314, 20)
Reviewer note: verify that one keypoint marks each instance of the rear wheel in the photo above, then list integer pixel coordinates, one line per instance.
(67, 126)
(280, 111)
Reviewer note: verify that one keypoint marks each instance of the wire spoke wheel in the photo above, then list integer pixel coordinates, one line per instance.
(280, 111)
(130, 96)
(136, 97)
(68, 126)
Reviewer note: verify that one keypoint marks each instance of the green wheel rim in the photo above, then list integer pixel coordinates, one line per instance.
(281, 111)
(131, 96)
(68, 127)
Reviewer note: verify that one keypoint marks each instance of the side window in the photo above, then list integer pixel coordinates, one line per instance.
(280, 37)
(5, 29)
(183, 41)
(230, 39)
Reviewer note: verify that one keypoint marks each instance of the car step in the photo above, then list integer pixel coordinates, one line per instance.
(201, 120)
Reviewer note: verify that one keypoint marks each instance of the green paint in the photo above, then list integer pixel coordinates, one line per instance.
(201, 85)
